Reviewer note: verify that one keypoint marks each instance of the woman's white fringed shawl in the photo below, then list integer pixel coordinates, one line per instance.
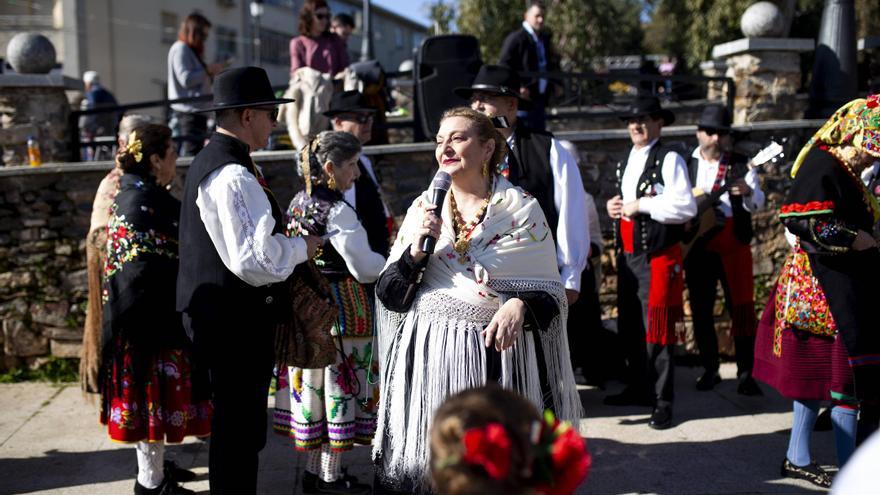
(435, 349)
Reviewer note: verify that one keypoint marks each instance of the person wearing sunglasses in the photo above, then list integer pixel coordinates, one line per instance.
(316, 46)
(349, 112)
(722, 254)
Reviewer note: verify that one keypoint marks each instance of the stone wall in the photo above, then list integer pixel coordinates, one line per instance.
(44, 218)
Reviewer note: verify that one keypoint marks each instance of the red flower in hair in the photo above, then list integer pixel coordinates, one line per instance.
(488, 447)
(562, 461)
(873, 101)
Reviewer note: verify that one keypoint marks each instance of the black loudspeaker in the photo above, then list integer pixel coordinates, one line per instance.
(443, 63)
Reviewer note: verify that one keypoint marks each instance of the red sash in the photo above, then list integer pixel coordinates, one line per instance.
(665, 301)
(736, 259)
(626, 235)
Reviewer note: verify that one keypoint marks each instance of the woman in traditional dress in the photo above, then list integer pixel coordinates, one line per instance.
(327, 410)
(487, 306)
(818, 338)
(146, 381)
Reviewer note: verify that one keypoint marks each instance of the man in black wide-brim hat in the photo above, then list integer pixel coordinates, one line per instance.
(653, 202)
(723, 254)
(539, 164)
(235, 260)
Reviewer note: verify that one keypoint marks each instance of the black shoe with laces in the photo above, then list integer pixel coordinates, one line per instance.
(708, 380)
(811, 472)
(661, 418)
(177, 473)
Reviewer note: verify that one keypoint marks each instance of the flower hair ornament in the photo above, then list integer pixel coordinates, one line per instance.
(134, 147)
(561, 457)
(561, 461)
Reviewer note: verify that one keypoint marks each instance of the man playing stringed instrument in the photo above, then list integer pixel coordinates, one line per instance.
(721, 234)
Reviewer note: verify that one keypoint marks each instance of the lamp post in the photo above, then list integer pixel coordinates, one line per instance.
(256, 14)
(367, 33)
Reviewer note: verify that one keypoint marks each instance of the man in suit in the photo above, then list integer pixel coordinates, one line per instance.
(529, 49)
(235, 262)
(723, 254)
(349, 112)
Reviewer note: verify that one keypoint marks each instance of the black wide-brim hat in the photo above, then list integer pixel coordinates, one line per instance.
(495, 79)
(648, 106)
(715, 117)
(348, 102)
(243, 87)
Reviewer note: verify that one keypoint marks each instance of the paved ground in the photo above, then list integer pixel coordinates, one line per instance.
(51, 443)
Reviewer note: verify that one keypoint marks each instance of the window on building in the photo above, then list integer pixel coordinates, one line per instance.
(274, 47)
(227, 43)
(170, 25)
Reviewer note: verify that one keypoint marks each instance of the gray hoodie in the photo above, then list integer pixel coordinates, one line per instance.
(187, 77)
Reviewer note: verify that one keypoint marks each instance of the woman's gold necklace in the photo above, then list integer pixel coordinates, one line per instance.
(463, 230)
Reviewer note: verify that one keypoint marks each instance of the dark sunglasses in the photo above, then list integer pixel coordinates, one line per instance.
(360, 118)
(273, 112)
(323, 17)
(711, 132)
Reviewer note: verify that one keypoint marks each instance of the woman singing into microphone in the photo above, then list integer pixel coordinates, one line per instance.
(463, 315)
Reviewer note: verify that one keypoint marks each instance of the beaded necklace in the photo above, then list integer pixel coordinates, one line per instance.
(463, 230)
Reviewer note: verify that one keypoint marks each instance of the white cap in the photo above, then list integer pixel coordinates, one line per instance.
(90, 77)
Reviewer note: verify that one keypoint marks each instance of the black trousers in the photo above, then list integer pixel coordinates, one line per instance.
(239, 359)
(649, 367)
(193, 132)
(703, 271)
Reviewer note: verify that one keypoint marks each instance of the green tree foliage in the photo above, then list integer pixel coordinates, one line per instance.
(581, 29)
(441, 14)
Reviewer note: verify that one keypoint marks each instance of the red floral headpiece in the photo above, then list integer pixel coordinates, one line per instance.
(489, 447)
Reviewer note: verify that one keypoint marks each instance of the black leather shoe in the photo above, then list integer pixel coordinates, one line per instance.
(661, 418)
(748, 386)
(177, 473)
(811, 472)
(629, 397)
(347, 485)
(708, 380)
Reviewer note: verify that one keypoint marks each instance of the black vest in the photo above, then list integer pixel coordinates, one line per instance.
(650, 235)
(742, 219)
(371, 211)
(205, 287)
(529, 166)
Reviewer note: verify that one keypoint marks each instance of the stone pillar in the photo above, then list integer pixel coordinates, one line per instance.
(33, 102)
(714, 68)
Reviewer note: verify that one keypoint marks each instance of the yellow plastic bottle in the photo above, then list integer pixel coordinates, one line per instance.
(33, 150)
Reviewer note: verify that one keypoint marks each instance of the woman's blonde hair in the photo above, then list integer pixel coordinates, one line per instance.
(485, 131)
(477, 408)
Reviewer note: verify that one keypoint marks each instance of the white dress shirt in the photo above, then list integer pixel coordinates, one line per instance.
(572, 236)
(673, 203)
(351, 243)
(350, 194)
(238, 218)
(707, 172)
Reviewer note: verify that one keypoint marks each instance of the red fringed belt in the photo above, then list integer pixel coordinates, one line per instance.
(736, 259)
(626, 235)
(665, 304)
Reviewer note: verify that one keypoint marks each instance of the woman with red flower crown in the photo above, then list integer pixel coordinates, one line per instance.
(490, 440)
(817, 340)
(149, 392)
(327, 410)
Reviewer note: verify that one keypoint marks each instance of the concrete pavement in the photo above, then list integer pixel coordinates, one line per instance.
(722, 443)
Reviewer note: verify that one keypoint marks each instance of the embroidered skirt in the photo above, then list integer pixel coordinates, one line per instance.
(335, 404)
(162, 409)
(810, 367)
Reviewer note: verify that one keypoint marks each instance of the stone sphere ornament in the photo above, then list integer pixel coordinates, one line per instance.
(762, 20)
(30, 53)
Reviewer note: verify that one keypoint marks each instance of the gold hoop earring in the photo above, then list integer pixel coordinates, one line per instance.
(331, 182)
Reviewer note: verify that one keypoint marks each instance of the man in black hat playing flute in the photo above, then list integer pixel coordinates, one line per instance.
(654, 201)
(538, 163)
(235, 260)
(721, 251)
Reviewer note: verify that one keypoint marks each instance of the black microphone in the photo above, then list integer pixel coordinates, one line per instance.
(439, 188)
